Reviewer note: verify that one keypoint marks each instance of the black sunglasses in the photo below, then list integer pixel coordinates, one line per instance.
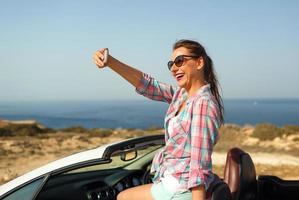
(179, 61)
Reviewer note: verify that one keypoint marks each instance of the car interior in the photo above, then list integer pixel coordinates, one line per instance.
(244, 184)
(128, 164)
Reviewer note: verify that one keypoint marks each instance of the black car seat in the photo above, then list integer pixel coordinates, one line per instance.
(240, 175)
(218, 190)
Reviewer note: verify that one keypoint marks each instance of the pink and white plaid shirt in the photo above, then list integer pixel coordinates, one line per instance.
(187, 153)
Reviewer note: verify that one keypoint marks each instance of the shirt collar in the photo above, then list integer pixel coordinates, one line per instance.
(202, 90)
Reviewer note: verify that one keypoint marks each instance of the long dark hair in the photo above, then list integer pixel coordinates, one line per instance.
(209, 74)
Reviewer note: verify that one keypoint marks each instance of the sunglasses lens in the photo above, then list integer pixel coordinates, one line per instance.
(179, 61)
(169, 64)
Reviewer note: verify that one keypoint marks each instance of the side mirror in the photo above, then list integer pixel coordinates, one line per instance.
(128, 155)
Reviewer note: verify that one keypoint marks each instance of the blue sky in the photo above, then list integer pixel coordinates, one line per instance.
(46, 47)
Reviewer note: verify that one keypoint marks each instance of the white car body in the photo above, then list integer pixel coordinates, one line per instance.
(58, 164)
(97, 155)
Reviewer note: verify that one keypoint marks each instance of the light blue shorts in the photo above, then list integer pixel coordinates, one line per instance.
(160, 193)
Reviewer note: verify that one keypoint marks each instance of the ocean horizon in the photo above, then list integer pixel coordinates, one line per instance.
(143, 113)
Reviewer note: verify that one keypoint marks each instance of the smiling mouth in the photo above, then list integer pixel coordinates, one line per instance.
(179, 76)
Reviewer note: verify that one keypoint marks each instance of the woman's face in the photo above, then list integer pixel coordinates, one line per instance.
(190, 73)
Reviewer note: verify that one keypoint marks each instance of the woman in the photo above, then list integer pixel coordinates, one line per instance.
(183, 168)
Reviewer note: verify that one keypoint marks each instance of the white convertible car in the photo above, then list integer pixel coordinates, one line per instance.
(101, 173)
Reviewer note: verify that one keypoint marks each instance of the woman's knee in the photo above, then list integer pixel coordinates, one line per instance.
(136, 193)
(127, 194)
(122, 195)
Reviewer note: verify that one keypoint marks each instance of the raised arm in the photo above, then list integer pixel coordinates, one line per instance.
(129, 73)
(144, 84)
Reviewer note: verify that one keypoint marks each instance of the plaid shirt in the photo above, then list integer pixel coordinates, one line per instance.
(187, 153)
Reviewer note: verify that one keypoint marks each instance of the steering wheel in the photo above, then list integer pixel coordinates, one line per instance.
(147, 175)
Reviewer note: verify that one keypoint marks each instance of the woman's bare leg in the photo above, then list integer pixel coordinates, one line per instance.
(136, 193)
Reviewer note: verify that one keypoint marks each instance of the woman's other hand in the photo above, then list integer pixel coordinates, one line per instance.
(99, 56)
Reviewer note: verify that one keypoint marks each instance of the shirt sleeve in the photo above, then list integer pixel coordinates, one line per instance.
(155, 90)
(204, 133)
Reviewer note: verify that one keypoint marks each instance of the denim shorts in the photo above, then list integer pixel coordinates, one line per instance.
(160, 193)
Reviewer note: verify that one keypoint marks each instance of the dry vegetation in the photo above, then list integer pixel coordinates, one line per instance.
(273, 154)
(26, 146)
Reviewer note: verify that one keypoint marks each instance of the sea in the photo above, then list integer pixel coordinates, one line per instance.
(143, 114)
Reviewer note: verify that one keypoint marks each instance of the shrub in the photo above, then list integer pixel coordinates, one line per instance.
(267, 132)
(131, 129)
(74, 129)
(5, 132)
(153, 128)
(22, 130)
(98, 132)
(290, 129)
(138, 133)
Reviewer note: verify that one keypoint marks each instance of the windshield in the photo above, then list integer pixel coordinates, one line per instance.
(117, 162)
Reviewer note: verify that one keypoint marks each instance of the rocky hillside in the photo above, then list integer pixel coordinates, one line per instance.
(25, 145)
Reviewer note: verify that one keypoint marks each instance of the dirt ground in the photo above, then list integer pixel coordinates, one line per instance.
(21, 154)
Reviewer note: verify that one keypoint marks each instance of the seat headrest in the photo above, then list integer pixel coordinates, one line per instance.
(240, 174)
